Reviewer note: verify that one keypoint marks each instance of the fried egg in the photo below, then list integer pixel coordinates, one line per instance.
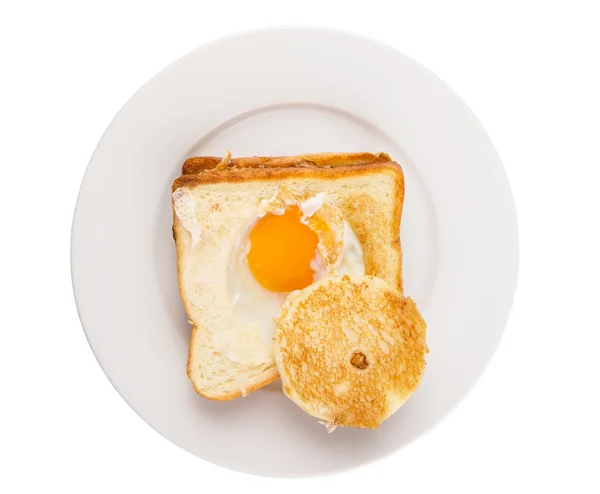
(292, 242)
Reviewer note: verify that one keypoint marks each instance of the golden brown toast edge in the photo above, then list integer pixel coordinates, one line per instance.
(199, 164)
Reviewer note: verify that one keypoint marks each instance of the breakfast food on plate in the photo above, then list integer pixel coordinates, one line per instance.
(257, 234)
(350, 350)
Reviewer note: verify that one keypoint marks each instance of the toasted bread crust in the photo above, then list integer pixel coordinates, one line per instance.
(199, 164)
(350, 351)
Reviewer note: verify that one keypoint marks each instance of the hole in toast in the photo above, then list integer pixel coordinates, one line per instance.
(359, 360)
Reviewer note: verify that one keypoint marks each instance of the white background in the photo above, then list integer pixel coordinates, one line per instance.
(530, 70)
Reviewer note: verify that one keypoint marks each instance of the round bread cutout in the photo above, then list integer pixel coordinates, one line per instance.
(350, 351)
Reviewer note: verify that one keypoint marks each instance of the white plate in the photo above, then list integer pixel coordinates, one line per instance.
(275, 92)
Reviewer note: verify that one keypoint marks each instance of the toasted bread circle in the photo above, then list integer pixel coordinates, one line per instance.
(350, 351)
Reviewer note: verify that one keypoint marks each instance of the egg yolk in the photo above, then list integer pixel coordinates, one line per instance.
(281, 249)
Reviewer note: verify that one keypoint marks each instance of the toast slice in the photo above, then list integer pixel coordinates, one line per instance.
(360, 367)
(215, 200)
